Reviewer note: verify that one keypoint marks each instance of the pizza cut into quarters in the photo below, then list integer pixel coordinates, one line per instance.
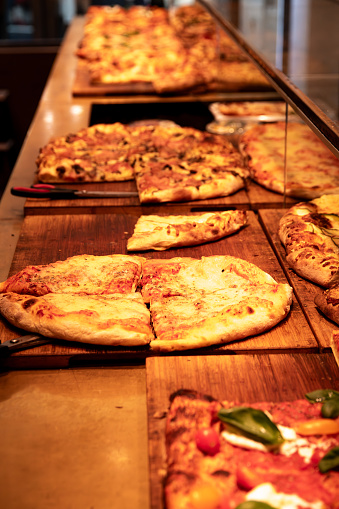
(110, 319)
(311, 168)
(224, 454)
(163, 232)
(309, 232)
(174, 304)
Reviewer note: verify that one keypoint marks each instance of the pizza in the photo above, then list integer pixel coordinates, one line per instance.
(328, 302)
(335, 345)
(104, 319)
(176, 50)
(250, 110)
(309, 232)
(120, 300)
(168, 162)
(163, 232)
(190, 165)
(311, 168)
(86, 274)
(210, 301)
(223, 454)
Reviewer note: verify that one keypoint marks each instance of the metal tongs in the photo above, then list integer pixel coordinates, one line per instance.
(57, 193)
(21, 343)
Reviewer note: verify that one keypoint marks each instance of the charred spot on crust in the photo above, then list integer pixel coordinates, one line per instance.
(28, 303)
(221, 473)
(61, 170)
(191, 395)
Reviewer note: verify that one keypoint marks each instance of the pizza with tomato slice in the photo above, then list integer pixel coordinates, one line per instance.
(227, 455)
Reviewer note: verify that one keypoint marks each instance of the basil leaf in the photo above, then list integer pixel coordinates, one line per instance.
(329, 461)
(252, 423)
(254, 504)
(330, 408)
(321, 395)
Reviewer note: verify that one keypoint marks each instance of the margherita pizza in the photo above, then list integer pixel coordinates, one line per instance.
(310, 233)
(163, 232)
(169, 162)
(311, 168)
(105, 299)
(226, 455)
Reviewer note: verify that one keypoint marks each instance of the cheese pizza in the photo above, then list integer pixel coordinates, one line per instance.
(104, 319)
(104, 300)
(223, 454)
(87, 274)
(163, 232)
(309, 232)
(311, 168)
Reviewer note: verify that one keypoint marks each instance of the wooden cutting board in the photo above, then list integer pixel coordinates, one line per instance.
(240, 378)
(255, 197)
(304, 290)
(45, 239)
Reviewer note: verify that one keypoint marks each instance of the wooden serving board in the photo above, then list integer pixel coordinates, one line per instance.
(255, 197)
(304, 289)
(239, 378)
(46, 239)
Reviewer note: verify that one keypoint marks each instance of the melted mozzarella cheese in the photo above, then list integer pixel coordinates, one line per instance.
(266, 493)
(292, 443)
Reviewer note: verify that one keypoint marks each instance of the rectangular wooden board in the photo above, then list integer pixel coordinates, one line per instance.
(254, 197)
(304, 290)
(45, 239)
(239, 378)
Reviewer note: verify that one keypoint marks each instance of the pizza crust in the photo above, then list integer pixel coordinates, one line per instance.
(310, 233)
(328, 302)
(96, 319)
(163, 232)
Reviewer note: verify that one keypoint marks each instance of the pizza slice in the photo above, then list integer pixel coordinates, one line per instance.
(119, 319)
(95, 154)
(186, 178)
(185, 276)
(90, 274)
(234, 313)
(311, 168)
(164, 232)
(309, 232)
(222, 454)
